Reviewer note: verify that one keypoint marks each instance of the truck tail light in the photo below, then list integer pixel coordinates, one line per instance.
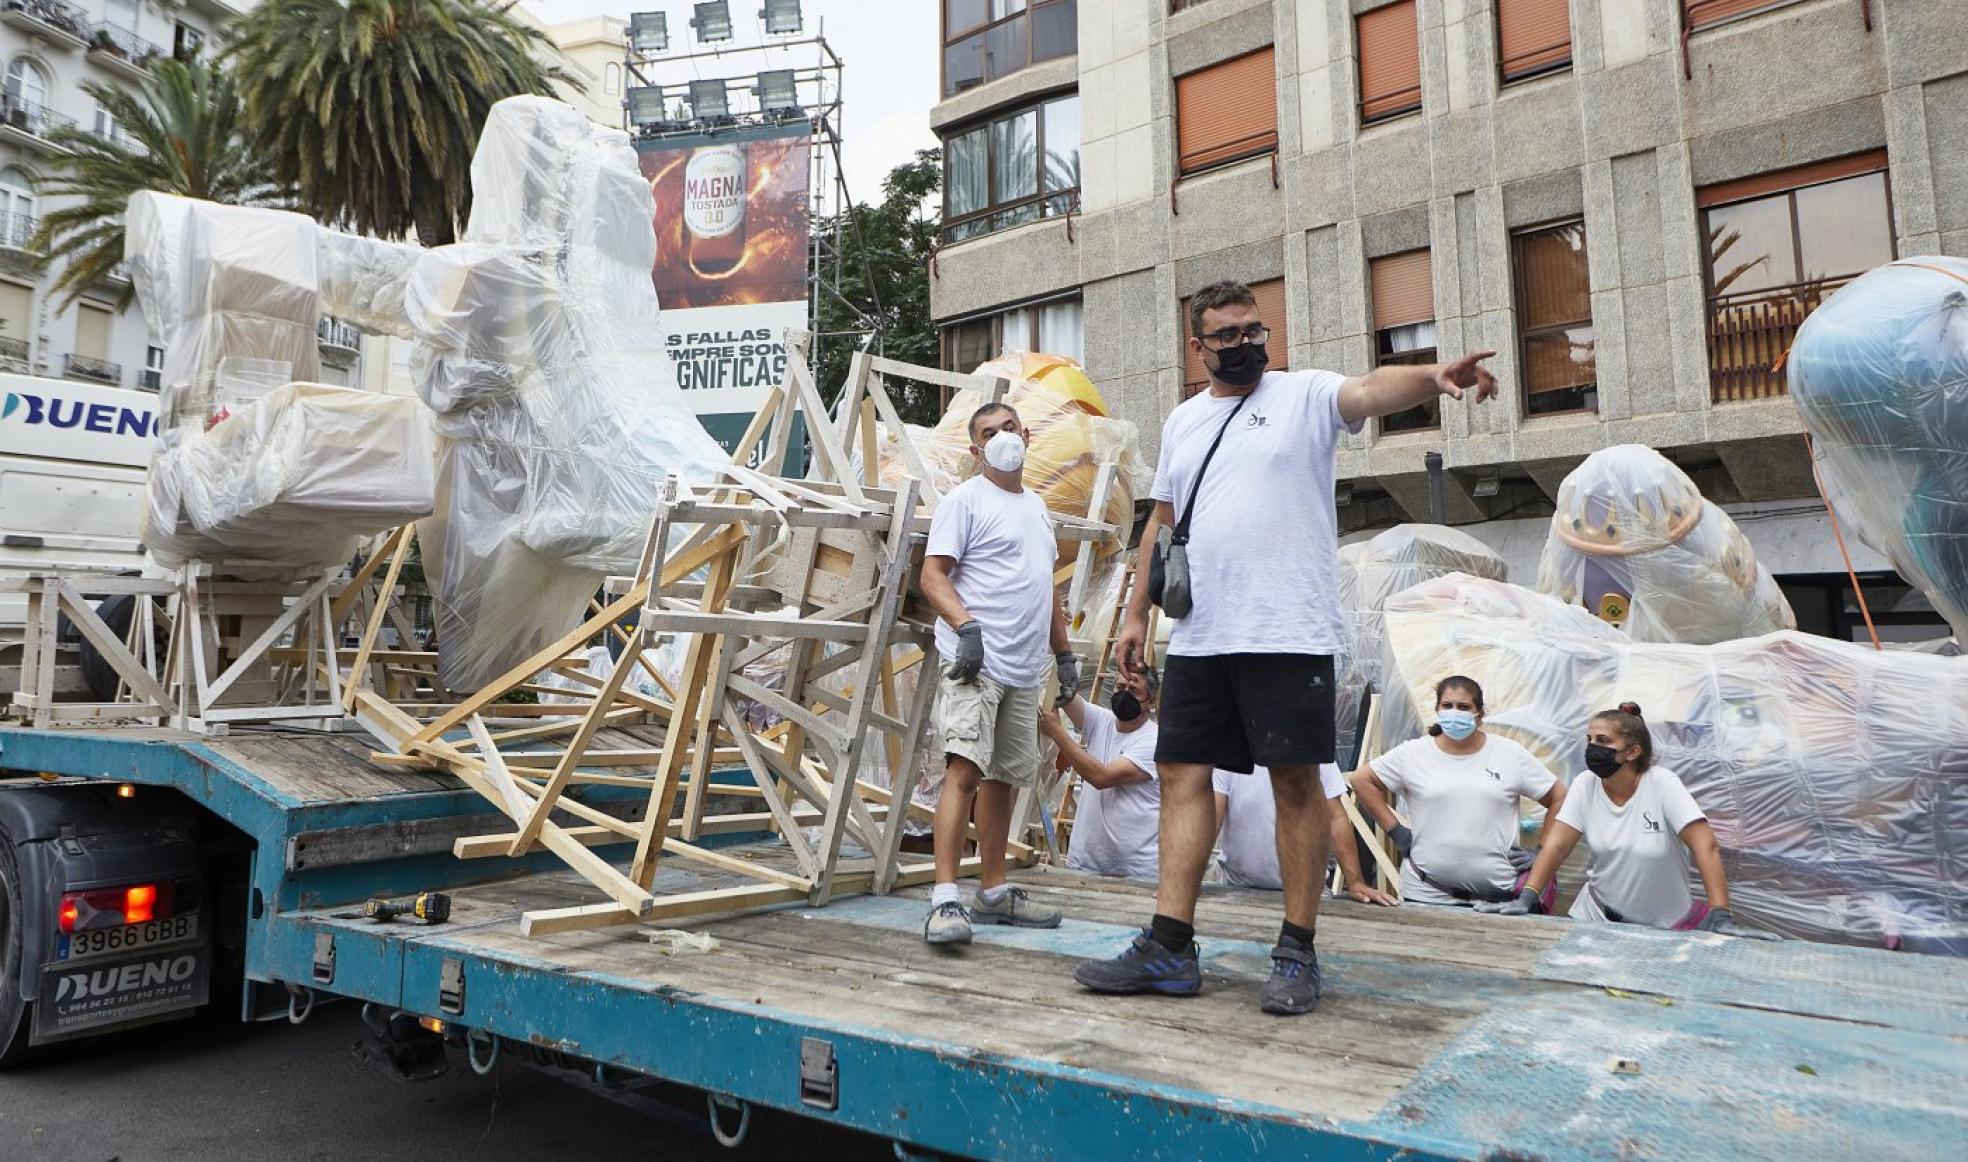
(114, 907)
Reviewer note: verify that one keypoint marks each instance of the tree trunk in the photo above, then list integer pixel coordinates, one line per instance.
(434, 226)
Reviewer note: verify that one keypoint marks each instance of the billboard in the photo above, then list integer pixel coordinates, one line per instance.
(731, 267)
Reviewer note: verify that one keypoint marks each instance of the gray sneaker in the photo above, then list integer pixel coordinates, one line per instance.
(947, 924)
(1294, 985)
(1016, 909)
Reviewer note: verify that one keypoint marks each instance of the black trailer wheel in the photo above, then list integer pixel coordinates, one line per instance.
(14, 1014)
(117, 613)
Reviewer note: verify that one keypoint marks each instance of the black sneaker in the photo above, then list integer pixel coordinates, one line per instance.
(1146, 967)
(1293, 987)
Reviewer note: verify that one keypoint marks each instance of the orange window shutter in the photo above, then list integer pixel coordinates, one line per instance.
(1533, 35)
(1227, 111)
(1403, 289)
(1872, 161)
(1702, 13)
(1390, 61)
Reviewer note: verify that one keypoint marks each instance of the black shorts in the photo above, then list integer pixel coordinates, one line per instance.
(1237, 710)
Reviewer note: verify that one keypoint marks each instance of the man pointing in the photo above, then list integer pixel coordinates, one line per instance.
(1249, 676)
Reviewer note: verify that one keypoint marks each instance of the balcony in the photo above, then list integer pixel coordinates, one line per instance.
(1040, 31)
(62, 25)
(341, 344)
(13, 354)
(91, 370)
(27, 124)
(16, 230)
(121, 51)
(1747, 334)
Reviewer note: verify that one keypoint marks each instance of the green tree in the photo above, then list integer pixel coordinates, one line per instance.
(884, 283)
(179, 133)
(372, 108)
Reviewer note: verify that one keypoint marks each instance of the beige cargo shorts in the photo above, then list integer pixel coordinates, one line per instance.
(996, 727)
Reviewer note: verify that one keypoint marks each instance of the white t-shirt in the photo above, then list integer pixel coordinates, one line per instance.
(1463, 811)
(1004, 548)
(1639, 864)
(1248, 847)
(1116, 830)
(1263, 543)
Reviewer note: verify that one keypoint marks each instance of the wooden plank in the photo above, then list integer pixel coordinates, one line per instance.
(345, 600)
(83, 617)
(717, 901)
(405, 536)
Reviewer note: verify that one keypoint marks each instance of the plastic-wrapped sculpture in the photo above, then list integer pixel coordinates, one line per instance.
(1835, 775)
(1880, 373)
(1373, 570)
(1071, 434)
(1634, 541)
(535, 340)
(255, 465)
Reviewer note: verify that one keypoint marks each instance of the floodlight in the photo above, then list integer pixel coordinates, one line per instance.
(781, 17)
(645, 104)
(778, 92)
(713, 21)
(649, 32)
(707, 100)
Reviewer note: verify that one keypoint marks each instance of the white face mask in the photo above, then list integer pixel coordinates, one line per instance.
(1005, 452)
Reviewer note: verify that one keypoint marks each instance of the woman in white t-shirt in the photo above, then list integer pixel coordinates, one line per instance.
(1641, 825)
(1459, 787)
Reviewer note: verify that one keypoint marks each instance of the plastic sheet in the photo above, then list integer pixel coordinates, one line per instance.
(1071, 436)
(1633, 540)
(1880, 374)
(535, 336)
(1373, 570)
(1835, 776)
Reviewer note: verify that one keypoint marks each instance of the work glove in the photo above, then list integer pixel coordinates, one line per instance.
(1722, 923)
(1520, 859)
(1069, 676)
(1527, 903)
(1403, 837)
(970, 653)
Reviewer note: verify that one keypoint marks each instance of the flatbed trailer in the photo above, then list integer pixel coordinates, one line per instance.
(1442, 1033)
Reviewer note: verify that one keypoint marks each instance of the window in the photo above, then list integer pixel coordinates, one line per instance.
(1390, 61)
(92, 331)
(1554, 319)
(188, 43)
(1404, 326)
(1018, 168)
(1533, 37)
(1055, 327)
(611, 78)
(1702, 13)
(1227, 112)
(1270, 309)
(17, 221)
(153, 372)
(16, 318)
(27, 85)
(1775, 246)
(987, 39)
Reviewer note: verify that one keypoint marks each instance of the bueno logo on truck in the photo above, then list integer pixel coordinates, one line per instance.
(106, 982)
(56, 412)
(75, 999)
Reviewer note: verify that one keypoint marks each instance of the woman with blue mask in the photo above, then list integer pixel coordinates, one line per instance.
(1459, 789)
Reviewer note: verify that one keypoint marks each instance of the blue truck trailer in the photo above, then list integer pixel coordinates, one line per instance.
(147, 872)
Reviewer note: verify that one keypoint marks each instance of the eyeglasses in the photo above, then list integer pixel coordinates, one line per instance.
(1256, 333)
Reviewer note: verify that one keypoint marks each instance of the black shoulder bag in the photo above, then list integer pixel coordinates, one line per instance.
(1168, 564)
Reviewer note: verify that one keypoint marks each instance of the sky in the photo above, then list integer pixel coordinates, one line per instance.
(888, 49)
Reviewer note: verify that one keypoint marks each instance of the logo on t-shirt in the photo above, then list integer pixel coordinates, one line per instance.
(1648, 822)
(1255, 421)
(1496, 776)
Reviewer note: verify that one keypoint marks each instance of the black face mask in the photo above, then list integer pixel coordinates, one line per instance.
(1242, 365)
(1603, 761)
(1125, 705)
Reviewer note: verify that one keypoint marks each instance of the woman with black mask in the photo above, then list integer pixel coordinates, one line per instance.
(1641, 825)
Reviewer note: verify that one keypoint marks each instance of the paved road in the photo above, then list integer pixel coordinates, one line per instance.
(215, 1091)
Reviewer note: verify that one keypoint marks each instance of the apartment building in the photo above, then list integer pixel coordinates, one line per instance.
(590, 53)
(1634, 202)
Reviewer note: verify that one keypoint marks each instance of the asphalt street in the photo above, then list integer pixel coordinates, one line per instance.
(213, 1090)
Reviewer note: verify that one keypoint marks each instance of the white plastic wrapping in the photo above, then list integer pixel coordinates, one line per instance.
(1835, 775)
(1880, 374)
(1634, 540)
(536, 340)
(1373, 570)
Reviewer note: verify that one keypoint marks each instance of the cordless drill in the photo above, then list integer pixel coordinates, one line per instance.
(423, 908)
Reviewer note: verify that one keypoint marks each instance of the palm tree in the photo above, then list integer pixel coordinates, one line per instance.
(179, 133)
(372, 108)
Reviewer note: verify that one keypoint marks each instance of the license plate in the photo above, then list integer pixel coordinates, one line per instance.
(129, 937)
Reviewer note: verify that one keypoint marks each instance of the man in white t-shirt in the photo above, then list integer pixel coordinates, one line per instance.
(987, 571)
(1247, 842)
(1249, 675)
(1117, 813)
